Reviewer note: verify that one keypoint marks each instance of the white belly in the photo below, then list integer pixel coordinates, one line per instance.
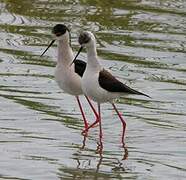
(68, 80)
(92, 89)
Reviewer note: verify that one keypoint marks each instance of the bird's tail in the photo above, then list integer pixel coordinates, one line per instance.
(139, 93)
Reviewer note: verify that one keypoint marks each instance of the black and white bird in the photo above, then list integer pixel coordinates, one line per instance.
(68, 77)
(99, 84)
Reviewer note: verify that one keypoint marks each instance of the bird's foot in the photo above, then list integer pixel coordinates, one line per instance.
(85, 132)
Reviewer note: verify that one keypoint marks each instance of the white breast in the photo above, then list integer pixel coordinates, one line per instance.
(68, 80)
(92, 89)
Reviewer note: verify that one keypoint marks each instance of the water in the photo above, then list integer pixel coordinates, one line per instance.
(142, 42)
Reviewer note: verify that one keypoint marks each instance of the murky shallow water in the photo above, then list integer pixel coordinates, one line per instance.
(142, 43)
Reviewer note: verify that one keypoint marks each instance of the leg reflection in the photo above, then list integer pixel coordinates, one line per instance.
(99, 162)
(121, 164)
(99, 149)
(84, 141)
(125, 155)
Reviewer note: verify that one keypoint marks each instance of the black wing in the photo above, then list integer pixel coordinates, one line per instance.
(80, 67)
(108, 82)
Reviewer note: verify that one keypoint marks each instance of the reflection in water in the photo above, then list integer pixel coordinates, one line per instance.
(143, 44)
(99, 149)
(125, 154)
(84, 141)
(99, 162)
(86, 163)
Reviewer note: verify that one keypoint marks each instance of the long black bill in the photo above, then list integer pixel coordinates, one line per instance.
(80, 49)
(48, 47)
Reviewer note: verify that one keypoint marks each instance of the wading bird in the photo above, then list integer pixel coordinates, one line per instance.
(98, 84)
(69, 77)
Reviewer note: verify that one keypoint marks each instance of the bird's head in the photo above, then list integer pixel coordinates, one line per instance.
(86, 39)
(60, 33)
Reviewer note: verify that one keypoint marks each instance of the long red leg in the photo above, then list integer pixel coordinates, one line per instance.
(122, 120)
(92, 107)
(100, 130)
(83, 114)
(96, 114)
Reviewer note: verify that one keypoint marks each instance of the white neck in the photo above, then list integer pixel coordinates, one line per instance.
(65, 54)
(92, 57)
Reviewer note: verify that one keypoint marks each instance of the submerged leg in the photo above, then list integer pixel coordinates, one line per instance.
(122, 120)
(83, 114)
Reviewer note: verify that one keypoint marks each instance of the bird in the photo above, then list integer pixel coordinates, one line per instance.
(98, 83)
(68, 77)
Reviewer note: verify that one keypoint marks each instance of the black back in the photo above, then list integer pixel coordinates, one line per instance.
(108, 82)
(80, 67)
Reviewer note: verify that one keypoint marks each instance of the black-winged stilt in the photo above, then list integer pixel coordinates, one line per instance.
(68, 77)
(99, 84)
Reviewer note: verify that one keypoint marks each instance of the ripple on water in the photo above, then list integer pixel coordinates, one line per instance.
(142, 43)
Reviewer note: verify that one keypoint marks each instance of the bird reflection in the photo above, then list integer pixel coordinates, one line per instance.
(85, 163)
(99, 148)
